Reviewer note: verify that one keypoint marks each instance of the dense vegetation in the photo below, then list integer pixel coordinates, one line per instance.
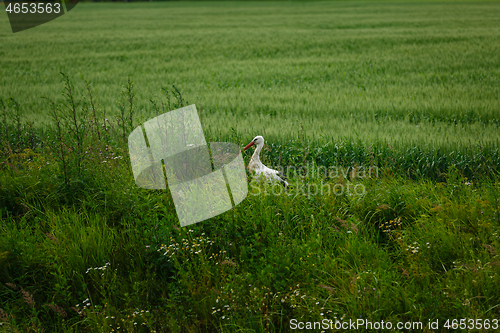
(385, 116)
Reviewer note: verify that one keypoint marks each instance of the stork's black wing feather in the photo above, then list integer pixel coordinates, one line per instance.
(282, 175)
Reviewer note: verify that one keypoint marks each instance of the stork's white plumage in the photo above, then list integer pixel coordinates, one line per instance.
(260, 170)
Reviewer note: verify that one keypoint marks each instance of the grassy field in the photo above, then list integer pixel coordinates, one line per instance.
(410, 90)
(366, 70)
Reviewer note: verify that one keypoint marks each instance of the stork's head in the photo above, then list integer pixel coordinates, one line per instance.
(258, 140)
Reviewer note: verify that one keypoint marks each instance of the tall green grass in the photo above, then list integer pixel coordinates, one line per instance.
(402, 250)
(84, 249)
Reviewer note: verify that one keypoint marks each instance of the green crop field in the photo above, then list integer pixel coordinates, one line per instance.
(388, 114)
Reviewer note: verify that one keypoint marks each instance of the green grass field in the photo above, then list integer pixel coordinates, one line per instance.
(366, 70)
(411, 89)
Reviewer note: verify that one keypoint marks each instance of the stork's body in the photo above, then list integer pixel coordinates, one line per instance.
(260, 170)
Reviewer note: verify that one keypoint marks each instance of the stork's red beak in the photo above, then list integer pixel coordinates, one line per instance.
(248, 146)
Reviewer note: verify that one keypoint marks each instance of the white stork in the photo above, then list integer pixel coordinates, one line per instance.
(260, 169)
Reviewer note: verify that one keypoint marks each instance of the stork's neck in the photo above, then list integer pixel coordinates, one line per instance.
(255, 156)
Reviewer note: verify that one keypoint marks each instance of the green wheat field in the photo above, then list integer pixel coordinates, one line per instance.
(384, 115)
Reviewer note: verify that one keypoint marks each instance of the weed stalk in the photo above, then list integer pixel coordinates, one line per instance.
(3, 132)
(17, 117)
(94, 111)
(60, 139)
(75, 125)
